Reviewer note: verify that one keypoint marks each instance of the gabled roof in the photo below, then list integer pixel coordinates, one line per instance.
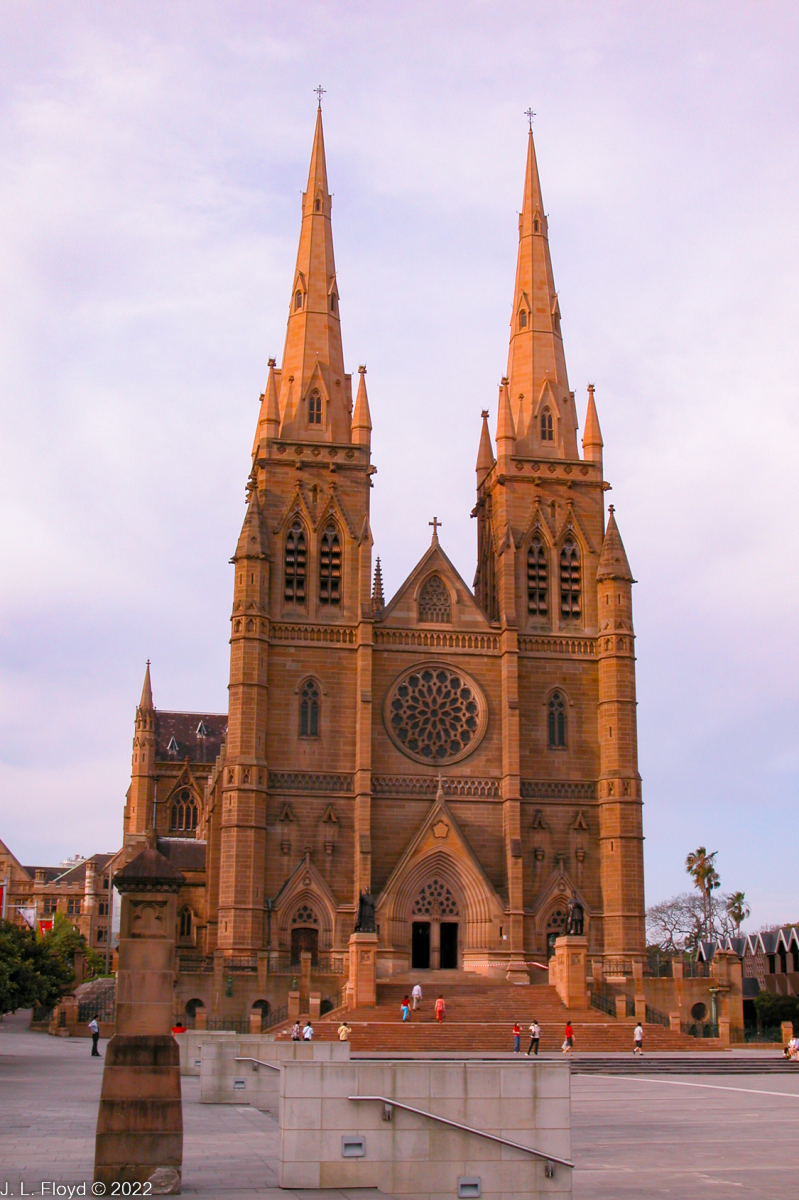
(187, 854)
(77, 874)
(183, 728)
(402, 609)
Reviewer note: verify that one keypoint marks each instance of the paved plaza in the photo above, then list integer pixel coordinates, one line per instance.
(643, 1137)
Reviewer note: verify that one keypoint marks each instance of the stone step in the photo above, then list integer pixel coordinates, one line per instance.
(676, 1064)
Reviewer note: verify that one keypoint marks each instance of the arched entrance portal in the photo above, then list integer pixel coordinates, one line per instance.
(434, 928)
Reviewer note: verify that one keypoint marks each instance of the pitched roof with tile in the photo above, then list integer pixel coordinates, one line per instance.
(187, 854)
(197, 737)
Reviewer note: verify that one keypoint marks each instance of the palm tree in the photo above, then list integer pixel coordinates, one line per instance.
(738, 910)
(701, 867)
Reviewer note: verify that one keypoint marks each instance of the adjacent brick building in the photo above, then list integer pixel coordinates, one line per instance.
(470, 754)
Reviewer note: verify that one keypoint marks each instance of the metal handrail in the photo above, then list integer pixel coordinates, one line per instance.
(492, 1137)
(258, 1062)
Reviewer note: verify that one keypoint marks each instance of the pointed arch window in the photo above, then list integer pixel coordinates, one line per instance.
(330, 567)
(314, 408)
(570, 609)
(556, 722)
(185, 924)
(310, 703)
(298, 299)
(184, 814)
(295, 564)
(333, 302)
(434, 601)
(547, 427)
(522, 319)
(537, 578)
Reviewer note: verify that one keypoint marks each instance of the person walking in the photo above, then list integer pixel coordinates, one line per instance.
(344, 1032)
(406, 1009)
(638, 1039)
(307, 1033)
(440, 1009)
(95, 1028)
(517, 1037)
(416, 995)
(296, 1032)
(535, 1038)
(568, 1040)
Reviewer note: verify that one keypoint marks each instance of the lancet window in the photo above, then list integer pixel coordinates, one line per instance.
(314, 408)
(434, 601)
(522, 319)
(185, 813)
(537, 578)
(310, 701)
(556, 721)
(295, 564)
(330, 567)
(547, 428)
(298, 299)
(185, 923)
(570, 581)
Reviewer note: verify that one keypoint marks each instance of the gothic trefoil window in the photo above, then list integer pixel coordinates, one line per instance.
(547, 430)
(295, 564)
(184, 814)
(556, 721)
(309, 709)
(570, 580)
(537, 578)
(434, 601)
(314, 408)
(330, 567)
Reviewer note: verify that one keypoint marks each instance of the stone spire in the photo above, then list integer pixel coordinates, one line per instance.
(485, 455)
(378, 602)
(252, 541)
(269, 414)
(506, 429)
(536, 362)
(313, 358)
(146, 702)
(613, 562)
(361, 418)
(592, 437)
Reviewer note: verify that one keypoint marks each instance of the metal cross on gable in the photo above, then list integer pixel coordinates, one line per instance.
(320, 91)
(436, 526)
(528, 112)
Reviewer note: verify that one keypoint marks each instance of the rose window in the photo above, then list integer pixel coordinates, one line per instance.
(435, 900)
(435, 714)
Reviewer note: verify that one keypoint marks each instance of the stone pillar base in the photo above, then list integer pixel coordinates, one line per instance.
(568, 971)
(518, 971)
(140, 1121)
(363, 970)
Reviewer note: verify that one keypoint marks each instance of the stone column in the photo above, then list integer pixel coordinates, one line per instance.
(363, 970)
(568, 974)
(140, 1121)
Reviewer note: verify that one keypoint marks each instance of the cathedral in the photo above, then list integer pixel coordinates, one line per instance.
(466, 753)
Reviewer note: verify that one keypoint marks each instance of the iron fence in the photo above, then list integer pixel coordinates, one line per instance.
(699, 1029)
(104, 1007)
(605, 1002)
(695, 970)
(653, 1017)
(275, 1016)
(41, 1014)
(332, 964)
(330, 1004)
(617, 966)
(195, 964)
(659, 966)
(241, 964)
(231, 1024)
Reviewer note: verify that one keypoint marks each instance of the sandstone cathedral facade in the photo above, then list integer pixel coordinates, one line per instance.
(468, 754)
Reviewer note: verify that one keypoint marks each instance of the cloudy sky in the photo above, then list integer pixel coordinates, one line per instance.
(152, 158)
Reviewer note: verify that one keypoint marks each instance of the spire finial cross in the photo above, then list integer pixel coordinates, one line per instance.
(320, 91)
(436, 526)
(528, 112)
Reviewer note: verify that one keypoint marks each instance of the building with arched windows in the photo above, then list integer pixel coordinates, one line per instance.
(467, 752)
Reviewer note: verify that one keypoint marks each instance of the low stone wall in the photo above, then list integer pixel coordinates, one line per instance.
(329, 1140)
(226, 1078)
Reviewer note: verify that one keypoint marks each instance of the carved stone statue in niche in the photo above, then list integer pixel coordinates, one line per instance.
(365, 921)
(575, 917)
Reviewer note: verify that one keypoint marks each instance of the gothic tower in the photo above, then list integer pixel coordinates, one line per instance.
(302, 577)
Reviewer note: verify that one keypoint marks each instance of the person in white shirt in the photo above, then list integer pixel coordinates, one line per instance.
(307, 1033)
(535, 1037)
(638, 1039)
(416, 995)
(95, 1028)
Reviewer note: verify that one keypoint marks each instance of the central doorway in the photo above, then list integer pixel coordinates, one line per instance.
(449, 945)
(303, 938)
(420, 945)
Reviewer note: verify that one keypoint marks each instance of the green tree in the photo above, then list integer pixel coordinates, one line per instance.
(738, 910)
(30, 971)
(701, 867)
(65, 941)
(773, 1010)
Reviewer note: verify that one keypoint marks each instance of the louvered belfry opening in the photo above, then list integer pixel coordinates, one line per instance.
(295, 566)
(537, 578)
(330, 567)
(570, 581)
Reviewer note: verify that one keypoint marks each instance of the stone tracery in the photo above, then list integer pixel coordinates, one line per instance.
(435, 714)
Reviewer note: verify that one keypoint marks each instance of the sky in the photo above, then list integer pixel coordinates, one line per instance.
(152, 159)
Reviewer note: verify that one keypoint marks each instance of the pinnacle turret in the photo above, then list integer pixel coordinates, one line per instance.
(506, 429)
(252, 541)
(146, 702)
(485, 454)
(613, 562)
(592, 437)
(361, 417)
(378, 601)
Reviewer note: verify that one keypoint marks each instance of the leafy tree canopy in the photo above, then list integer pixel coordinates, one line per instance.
(31, 971)
(772, 1010)
(65, 941)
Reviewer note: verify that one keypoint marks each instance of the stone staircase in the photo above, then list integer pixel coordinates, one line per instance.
(479, 1017)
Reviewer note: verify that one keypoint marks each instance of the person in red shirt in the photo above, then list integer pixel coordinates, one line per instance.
(517, 1037)
(568, 1041)
(440, 1009)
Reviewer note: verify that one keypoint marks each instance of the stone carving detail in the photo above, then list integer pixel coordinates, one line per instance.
(435, 900)
(434, 601)
(146, 920)
(546, 789)
(435, 714)
(308, 781)
(578, 647)
(305, 915)
(427, 785)
(433, 640)
(313, 633)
